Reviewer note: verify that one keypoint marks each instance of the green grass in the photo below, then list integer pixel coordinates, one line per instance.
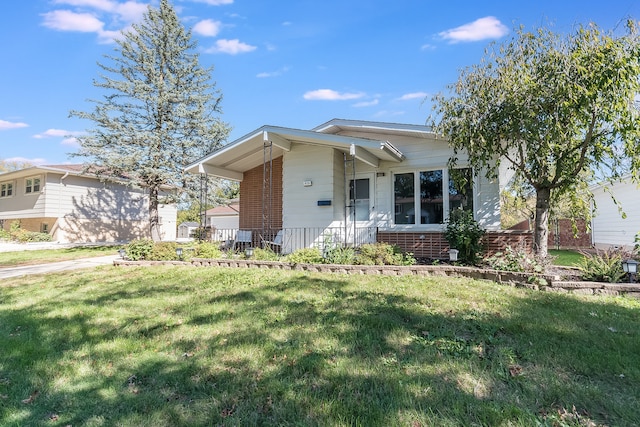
(30, 257)
(565, 257)
(183, 346)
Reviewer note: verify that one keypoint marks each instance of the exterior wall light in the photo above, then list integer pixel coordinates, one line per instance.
(630, 266)
(179, 252)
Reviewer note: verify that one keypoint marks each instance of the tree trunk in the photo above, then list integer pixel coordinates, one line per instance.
(154, 216)
(541, 230)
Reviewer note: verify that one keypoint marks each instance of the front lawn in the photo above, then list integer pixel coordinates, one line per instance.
(185, 346)
(39, 256)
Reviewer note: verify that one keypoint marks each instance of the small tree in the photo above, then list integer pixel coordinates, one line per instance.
(464, 234)
(553, 108)
(159, 111)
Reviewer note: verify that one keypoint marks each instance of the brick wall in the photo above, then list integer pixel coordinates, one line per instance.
(251, 197)
(565, 236)
(433, 244)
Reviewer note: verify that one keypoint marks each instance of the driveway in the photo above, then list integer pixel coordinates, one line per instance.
(55, 267)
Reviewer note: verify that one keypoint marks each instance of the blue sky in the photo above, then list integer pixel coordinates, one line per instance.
(277, 62)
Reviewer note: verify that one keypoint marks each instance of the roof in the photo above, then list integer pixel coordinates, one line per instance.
(226, 210)
(246, 153)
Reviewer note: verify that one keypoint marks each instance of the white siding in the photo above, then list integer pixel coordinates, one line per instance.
(224, 222)
(609, 228)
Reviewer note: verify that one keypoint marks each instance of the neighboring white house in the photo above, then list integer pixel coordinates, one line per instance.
(74, 206)
(352, 181)
(609, 228)
(224, 217)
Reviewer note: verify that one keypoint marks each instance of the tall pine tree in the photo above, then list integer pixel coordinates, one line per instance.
(159, 113)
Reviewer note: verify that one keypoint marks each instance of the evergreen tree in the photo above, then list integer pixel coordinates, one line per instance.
(159, 111)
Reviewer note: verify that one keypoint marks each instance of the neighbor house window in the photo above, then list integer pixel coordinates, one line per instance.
(6, 189)
(419, 195)
(32, 185)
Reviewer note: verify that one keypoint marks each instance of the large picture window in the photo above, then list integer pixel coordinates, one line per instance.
(32, 185)
(419, 196)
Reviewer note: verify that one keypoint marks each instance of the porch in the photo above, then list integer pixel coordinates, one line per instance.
(423, 244)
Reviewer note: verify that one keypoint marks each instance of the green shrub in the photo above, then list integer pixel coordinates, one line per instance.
(164, 251)
(602, 266)
(464, 234)
(139, 249)
(515, 260)
(4, 234)
(208, 250)
(265, 254)
(383, 254)
(305, 256)
(340, 255)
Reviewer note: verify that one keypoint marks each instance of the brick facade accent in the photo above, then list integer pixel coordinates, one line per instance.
(565, 237)
(251, 200)
(434, 246)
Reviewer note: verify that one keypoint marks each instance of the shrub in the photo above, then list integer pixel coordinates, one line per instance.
(602, 266)
(4, 234)
(383, 254)
(139, 249)
(305, 256)
(464, 234)
(515, 260)
(208, 250)
(265, 254)
(340, 255)
(163, 251)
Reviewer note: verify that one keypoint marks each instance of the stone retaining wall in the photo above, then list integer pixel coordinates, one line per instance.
(548, 283)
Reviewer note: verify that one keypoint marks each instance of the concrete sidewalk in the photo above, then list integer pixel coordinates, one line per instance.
(55, 267)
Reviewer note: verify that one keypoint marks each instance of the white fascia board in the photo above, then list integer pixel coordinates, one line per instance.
(363, 155)
(219, 172)
(276, 140)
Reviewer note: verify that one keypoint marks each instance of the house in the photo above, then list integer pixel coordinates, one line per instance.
(187, 229)
(616, 225)
(74, 206)
(352, 182)
(223, 217)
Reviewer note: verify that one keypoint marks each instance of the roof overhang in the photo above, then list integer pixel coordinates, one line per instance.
(248, 152)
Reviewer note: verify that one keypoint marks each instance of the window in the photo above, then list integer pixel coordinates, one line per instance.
(6, 189)
(419, 196)
(32, 185)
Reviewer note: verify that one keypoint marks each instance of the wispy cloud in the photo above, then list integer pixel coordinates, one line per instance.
(362, 104)
(331, 95)
(413, 95)
(89, 16)
(68, 136)
(214, 2)
(231, 47)
(277, 73)
(25, 161)
(207, 28)
(5, 125)
(488, 27)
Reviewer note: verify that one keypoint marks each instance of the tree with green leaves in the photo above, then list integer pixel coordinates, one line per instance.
(554, 108)
(159, 113)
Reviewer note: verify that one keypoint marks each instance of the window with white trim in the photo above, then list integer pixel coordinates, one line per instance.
(423, 191)
(6, 189)
(32, 185)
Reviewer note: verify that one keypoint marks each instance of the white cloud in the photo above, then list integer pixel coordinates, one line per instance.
(214, 2)
(207, 28)
(488, 27)
(59, 133)
(413, 95)
(5, 125)
(272, 73)
(232, 47)
(366, 103)
(330, 95)
(66, 20)
(23, 160)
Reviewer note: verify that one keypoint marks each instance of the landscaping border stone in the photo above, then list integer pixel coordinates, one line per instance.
(538, 282)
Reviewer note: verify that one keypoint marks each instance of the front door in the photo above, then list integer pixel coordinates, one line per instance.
(361, 210)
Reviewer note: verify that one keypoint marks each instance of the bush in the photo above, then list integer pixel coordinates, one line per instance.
(163, 251)
(602, 266)
(305, 256)
(464, 234)
(515, 260)
(383, 254)
(266, 254)
(139, 249)
(208, 250)
(4, 234)
(340, 255)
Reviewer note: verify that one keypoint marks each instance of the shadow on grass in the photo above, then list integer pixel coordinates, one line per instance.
(313, 350)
